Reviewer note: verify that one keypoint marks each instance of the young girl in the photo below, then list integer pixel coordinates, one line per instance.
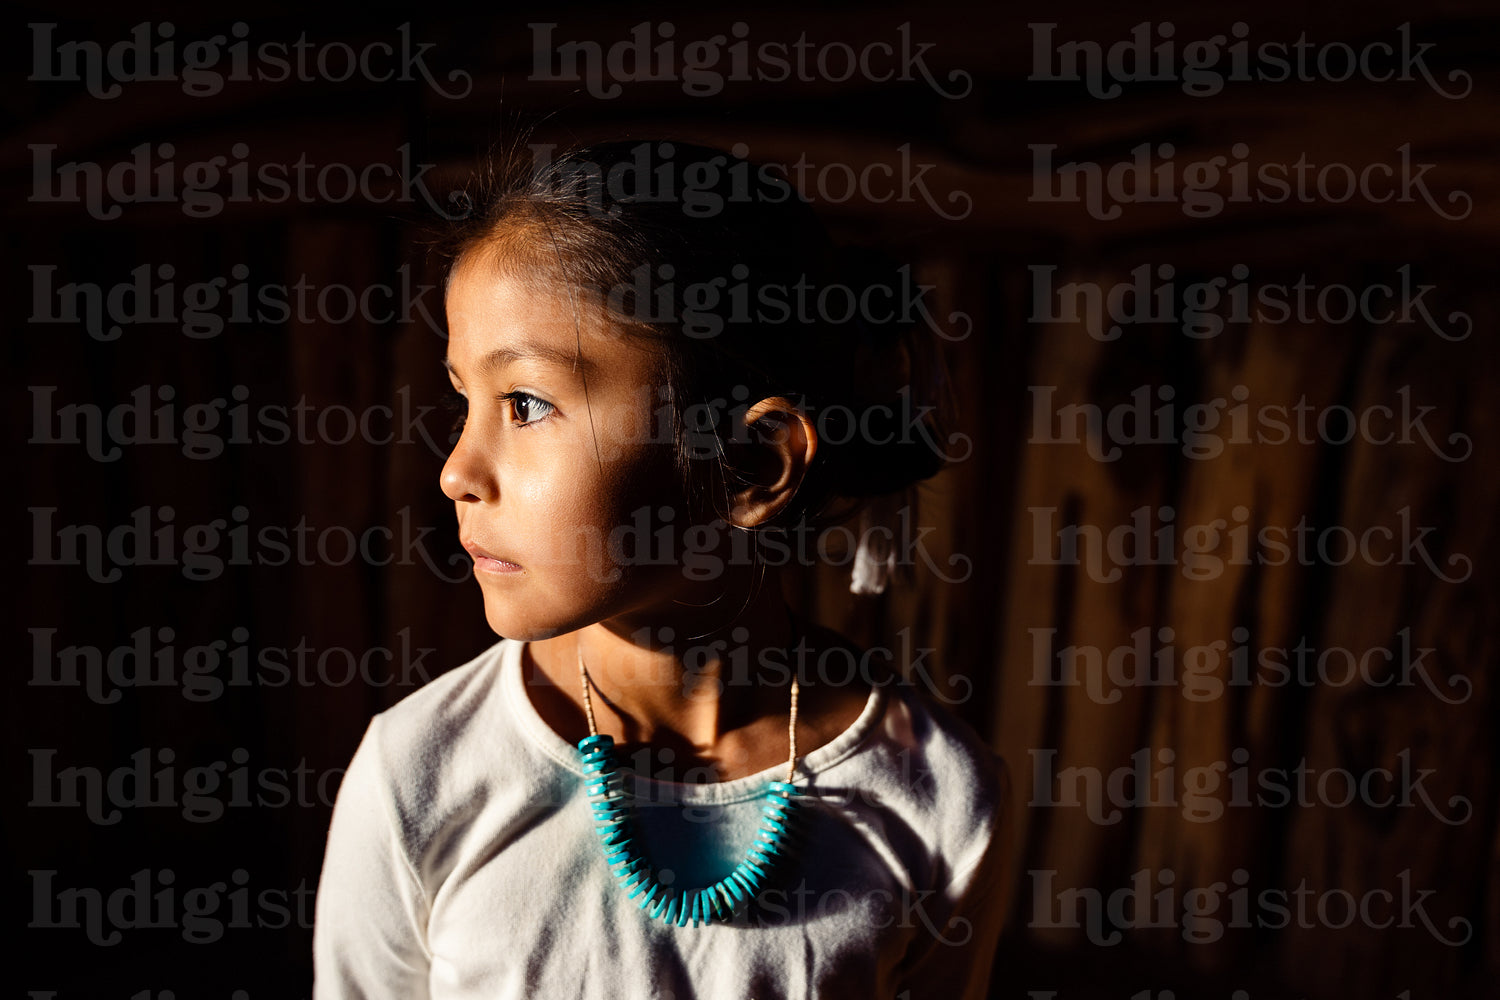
(661, 783)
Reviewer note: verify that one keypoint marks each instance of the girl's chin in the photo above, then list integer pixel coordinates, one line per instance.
(515, 610)
(515, 618)
(509, 626)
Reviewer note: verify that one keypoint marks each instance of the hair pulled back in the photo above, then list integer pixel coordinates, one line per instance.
(725, 265)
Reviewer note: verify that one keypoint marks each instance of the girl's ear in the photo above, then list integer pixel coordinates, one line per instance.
(772, 464)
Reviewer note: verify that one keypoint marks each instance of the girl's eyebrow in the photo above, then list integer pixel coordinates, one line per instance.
(496, 360)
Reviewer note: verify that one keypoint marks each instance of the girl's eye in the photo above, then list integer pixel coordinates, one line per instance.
(527, 408)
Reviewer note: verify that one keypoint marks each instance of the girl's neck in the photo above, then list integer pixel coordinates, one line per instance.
(714, 693)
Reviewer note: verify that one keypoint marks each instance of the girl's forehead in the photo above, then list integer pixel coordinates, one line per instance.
(496, 317)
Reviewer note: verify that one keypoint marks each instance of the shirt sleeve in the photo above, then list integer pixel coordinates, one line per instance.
(369, 928)
(958, 933)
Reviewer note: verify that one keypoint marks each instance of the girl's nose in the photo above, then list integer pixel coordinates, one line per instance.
(466, 477)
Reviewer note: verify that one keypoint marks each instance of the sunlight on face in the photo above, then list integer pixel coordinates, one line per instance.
(565, 459)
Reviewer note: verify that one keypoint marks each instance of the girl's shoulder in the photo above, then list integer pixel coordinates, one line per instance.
(446, 708)
(446, 745)
(920, 762)
(923, 709)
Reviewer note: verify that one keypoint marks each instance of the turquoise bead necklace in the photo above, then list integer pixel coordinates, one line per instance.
(612, 821)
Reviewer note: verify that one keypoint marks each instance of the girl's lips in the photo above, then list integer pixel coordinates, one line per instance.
(485, 562)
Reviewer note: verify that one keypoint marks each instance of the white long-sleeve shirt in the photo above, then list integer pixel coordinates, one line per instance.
(462, 862)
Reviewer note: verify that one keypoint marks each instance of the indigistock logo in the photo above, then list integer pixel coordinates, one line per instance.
(1103, 556)
(1203, 430)
(1204, 65)
(1202, 309)
(1204, 914)
(152, 901)
(1203, 672)
(705, 306)
(653, 52)
(709, 668)
(901, 420)
(202, 310)
(153, 538)
(153, 175)
(153, 52)
(878, 909)
(205, 672)
(1157, 177)
(202, 793)
(704, 550)
(1205, 792)
(205, 430)
(654, 176)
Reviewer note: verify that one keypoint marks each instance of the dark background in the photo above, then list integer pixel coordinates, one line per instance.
(977, 252)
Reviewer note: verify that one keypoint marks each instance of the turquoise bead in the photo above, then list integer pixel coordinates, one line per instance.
(719, 900)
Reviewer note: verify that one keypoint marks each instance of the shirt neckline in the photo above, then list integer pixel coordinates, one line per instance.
(563, 753)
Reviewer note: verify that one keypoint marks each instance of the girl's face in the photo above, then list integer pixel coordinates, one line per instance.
(565, 463)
